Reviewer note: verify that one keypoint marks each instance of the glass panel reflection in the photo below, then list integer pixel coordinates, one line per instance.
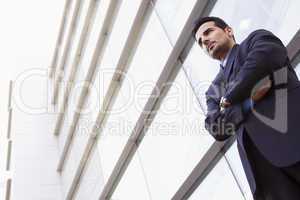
(174, 143)
(140, 80)
(173, 15)
(273, 15)
(219, 184)
(134, 184)
(297, 69)
(235, 164)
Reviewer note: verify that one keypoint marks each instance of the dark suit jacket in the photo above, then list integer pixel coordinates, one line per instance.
(272, 124)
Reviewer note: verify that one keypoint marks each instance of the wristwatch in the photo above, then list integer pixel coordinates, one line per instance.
(224, 103)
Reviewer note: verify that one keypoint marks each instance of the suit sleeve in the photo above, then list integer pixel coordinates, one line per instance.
(266, 53)
(221, 125)
(213, 96)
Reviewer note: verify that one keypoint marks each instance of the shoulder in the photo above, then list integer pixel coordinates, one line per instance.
(260, 32)
(261, 35)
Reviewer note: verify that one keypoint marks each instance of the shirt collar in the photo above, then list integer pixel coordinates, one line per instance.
(224, 62)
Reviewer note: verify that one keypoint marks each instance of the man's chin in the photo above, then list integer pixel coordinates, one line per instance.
(213, 55)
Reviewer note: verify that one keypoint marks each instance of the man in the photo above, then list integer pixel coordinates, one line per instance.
(257, 93)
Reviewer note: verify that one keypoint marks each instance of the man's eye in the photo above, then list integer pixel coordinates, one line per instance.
(200, 42)
(208, 31)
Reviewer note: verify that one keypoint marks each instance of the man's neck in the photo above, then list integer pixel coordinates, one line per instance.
(223, 60)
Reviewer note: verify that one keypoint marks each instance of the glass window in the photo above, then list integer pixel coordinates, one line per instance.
(92, 179)
(2, 189)
(200, 70)
(297, 69)
(65, 35)
(140, 80)
(84, 63)
(234, 162)
(173, 145)
(218, 184)
(173, 15)
(74, 44)
(286, 13)
(106, 66)
(134, 184)
(76, 149)
(273, 15)
(86, 120)
(92, 41)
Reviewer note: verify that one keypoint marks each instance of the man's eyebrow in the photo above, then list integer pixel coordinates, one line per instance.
(204, 33)
(207, 30)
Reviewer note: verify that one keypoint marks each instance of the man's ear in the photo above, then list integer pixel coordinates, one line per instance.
(229, 31)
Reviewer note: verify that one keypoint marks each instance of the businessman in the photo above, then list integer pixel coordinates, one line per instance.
(256, 96)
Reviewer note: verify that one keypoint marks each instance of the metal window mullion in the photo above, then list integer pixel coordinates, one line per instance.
(67, 49)
(8, 189)
(9, 94)
(97, 56)
(293, 49)
(86, 156)
(127, 54)
(203, 168)
(135, 139)
(89, 20)
(8, 155)
(8, 136)
(9, 142)
(62, 28)
(163, 84)
(9, 124)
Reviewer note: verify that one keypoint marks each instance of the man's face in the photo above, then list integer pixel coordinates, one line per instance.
(214, 40)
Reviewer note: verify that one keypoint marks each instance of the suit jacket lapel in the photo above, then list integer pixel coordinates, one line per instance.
(229, 64)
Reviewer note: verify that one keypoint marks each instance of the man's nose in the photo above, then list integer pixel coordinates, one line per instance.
(205, 41)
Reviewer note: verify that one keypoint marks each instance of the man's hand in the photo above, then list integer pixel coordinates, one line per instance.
(224, 103)
(257, 95)
(261, 91)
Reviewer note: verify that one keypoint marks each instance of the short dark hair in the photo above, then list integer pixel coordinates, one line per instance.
(218, 22)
